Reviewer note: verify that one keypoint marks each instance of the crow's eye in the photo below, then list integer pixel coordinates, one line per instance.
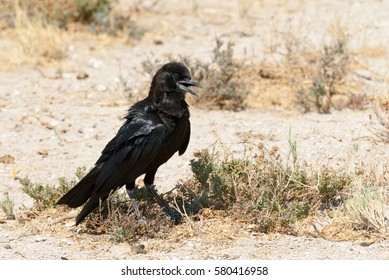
(175, 75)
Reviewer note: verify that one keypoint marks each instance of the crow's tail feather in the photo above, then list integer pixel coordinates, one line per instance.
(88, 208)
(81, 192)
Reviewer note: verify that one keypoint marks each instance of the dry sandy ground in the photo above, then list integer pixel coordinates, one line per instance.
(52, 125)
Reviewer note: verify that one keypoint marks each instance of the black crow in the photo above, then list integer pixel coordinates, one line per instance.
(154, 129)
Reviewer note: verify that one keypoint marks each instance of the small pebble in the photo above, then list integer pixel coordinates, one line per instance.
(40, 239)
(138, 249)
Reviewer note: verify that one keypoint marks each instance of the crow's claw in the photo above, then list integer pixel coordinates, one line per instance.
(173, 214)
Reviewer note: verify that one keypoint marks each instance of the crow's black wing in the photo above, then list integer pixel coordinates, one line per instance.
(128, 154)
(186, 137)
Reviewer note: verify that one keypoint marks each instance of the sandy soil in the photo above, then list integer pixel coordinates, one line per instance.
(51, 126)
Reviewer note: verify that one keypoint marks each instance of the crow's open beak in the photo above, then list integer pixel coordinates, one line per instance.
(185, 84)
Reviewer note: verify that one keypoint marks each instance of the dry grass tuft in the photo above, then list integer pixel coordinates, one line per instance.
(7, 205)
(45, 196)
(36, 42)
(99, 16)
(225, 87)
(362, 216)
(364, 209)
(41, 29)
(380, 124)
(116, 218)
(296, 73)
(331, 72)
(261, 189)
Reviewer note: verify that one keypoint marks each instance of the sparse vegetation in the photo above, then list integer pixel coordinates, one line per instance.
(44, 195)
(380, 124)
(310, 77)
(7, 205)
(41, 28)
(116, 217)
(257, 187)
(58, 13)
(365, 209)
(223, 88)
(29, 35)
(99, 15)
(332, 70)
(262, 188)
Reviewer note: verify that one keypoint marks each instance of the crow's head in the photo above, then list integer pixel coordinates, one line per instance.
(171, 82)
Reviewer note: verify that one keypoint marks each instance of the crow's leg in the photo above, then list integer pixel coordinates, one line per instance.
(148, 180)
(170, 212)
(130, 191)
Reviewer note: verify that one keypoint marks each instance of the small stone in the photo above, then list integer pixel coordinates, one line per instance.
(40, 239)
(158, 42)
(7, 159)
(101, 88)
(82, 76)
(11, 217)
(95, 63)
(70, 224)
(43, 152)
(138, 249)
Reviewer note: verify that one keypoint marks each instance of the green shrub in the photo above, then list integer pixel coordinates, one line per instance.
(261, 186)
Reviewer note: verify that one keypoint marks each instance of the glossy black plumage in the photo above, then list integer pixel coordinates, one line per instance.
(154, 129)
